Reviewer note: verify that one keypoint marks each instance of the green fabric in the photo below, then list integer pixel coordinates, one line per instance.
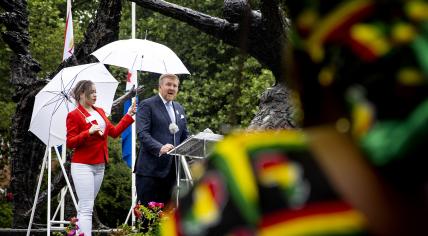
(389, 140)
(420, 47)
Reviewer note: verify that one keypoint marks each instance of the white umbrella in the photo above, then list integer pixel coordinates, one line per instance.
(141, 54)
(54, 101)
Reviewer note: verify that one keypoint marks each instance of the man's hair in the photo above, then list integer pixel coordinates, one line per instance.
(83, 86)
(172, 76)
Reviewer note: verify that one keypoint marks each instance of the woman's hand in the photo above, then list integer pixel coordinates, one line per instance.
(95, 128)
(133, 108)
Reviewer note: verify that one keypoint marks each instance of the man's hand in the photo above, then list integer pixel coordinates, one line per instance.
(165, 148)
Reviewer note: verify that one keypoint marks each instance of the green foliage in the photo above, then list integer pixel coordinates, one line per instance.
(222, 90)
(72, 228)
(5, 87)
(211, 102)
(224, 87)
(122, 230)
(114, 199)
(5, 214)
(47, 32)
(8, 109)
(150, 219)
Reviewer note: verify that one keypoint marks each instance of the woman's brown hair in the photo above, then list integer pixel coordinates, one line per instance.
(83, 86)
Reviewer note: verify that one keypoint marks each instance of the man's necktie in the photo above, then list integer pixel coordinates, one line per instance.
(170, 110)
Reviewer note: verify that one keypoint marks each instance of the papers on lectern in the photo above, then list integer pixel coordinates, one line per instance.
(197, 146)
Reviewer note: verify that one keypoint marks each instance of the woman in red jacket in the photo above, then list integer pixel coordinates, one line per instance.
(87, 131)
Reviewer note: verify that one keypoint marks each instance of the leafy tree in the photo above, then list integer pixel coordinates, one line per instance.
(27, 151)
(212, 100)
(5, 86)
(214, 65)
(219, 72)
(5, 214)
(47, 33)
(6, 111)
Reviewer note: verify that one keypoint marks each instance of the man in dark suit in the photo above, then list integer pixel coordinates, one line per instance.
(156, 116)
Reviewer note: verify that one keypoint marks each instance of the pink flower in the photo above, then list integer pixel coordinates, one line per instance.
(82, 234)
(72, 228)
(152, 204)
(71, 232)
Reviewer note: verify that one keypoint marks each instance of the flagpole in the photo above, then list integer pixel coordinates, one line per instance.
(133, 144)
(67, 52)
(133, 20)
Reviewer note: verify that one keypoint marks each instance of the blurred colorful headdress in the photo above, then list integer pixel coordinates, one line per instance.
(376, 44)
(371, 55)
(371, 29)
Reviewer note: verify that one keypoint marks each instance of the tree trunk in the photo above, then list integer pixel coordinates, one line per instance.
(26, 149)
(275, 110)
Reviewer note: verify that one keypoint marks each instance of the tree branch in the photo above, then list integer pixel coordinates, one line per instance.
(118, 103)
(16, 36)
(7, 5)
(261, 35)
(214, 26)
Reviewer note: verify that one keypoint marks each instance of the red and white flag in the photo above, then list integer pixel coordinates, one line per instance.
(68, 35)
(131, 80)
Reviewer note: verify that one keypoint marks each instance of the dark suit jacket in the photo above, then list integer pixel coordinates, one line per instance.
(153, 132)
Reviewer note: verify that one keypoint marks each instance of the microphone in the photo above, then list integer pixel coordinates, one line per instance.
(173, 128)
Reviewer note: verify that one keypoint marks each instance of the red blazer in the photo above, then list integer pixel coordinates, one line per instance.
(91, 149)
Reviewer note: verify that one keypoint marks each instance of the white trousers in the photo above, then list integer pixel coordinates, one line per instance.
(87, 182)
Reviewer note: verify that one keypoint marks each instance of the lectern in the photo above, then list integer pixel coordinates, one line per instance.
(197, 146)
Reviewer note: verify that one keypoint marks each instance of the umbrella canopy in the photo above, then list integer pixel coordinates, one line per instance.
(141, 54)
(54, 101)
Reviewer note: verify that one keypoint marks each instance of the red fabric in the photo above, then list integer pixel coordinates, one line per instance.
(91, 149)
